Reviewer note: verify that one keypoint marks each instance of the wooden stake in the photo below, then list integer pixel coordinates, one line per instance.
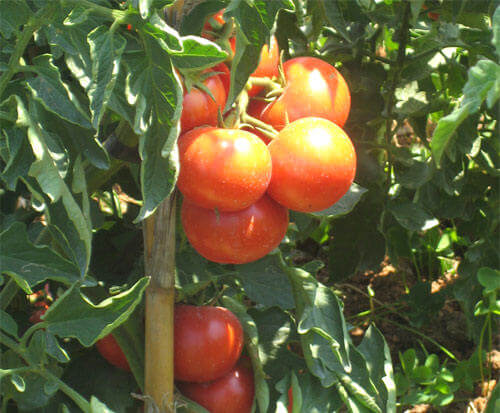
(159, 256)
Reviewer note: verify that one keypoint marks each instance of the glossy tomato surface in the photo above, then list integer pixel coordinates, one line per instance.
(235, 237)
(314, 88)
(224, 75)
(111, 351)
(198, 108)
(233, 393)
(227, 169)
(207, 342)
(268, 64)
(314, 164)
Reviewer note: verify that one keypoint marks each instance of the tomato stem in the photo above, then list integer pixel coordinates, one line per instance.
(262, 127)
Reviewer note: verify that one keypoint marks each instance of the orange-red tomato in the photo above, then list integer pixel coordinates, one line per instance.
(235, 237)
(112, 352)
(207, 342)
(224, 75)
(227, 169)
(314, 164)
(314, 88)
(36, 316)
(198, 108)
(268, 64)
(218, 18)
(290, 400)
(232, 393)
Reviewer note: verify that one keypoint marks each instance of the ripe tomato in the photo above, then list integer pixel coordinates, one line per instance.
(314, 88)
(235, 237)
(227, 169)
(207, 342)
(232, 393)
(217, 17)
(290, 400)
(111, 351)
(36, 316)
(268, 64)
(198, 108)
(224, 76)
(314, 164)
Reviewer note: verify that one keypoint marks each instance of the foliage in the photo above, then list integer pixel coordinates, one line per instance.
(76, 76)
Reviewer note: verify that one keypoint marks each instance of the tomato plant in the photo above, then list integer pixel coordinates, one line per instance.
(232, 393)
(223, 168)
(378, 290)
(207, 343)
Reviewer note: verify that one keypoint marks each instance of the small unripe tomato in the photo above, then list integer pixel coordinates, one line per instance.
(232, 393)
(314, 164)
(207, 342)
(112, 352)
(235, 237)
(227, 169)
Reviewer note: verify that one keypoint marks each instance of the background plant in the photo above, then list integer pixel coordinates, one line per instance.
(79, 76)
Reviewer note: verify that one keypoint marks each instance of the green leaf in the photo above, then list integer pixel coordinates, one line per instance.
(8, 324)
(54, 349)
(494, 401)
(268, 10)
(412, 216)
(484, 80)
(106, 50)
(30, 265)
(489, 279)
(20, 157)
(78, 15)
(315, 398)
(333, 13)
(49, 89)
(18, 383)
(345, 204)
(96, 406)
(157, 94)
(265, 282)
(378, 361)
(416, 175)
(496, 30)
(193, 21)
(197, 53)
(252, 346)
(13, 14)
(74, 315)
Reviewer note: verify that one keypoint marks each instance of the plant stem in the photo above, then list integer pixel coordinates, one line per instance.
(8, 292)
(480, 349)
(79, 400)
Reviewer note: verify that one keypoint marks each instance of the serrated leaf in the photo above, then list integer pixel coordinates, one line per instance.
(412, 216)
(197, 53)
(483, 78)
(13, 14)
(345, 204)
(74, 315)
(106, 50)
(157, 94)
(252, 345)
(49, 89)
(265, 282)
(30, 265)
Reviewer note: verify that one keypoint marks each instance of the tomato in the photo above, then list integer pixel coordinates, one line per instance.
(314, 88)
(224, 76)
(232, 393)
(198, 108)
(218, 19)
(431, 15)
(227, 169)
(290, 400)
(111, 351)
(255, 109)
(268, 64)
(36, 316)
(207, 342)
(314, 164)
(235, 237)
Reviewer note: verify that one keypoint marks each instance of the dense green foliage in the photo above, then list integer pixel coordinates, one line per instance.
(76, 76)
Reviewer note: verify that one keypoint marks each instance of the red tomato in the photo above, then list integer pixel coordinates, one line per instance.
(218, 19)
(111, 351)
(207, 342)
(268, 64)
(314, 164)
(198, 108)
(227, 169)
(235, 237)
(224, 75)
(36, 316)
(290, 400)
(314, 88)
(232, 393)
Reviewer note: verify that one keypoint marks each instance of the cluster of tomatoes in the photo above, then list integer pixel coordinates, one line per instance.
(208, 366)
(287, 151)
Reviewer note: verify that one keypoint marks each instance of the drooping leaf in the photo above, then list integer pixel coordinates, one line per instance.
(20, 157)
(30, 265)
(345, 204)
(74, 315)
(412, 216)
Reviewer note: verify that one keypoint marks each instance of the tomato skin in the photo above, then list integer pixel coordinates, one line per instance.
(235, 237)
(198, 108)
(268, 64)
(290, 400)
(218, 17)
(224, 76)
(314, 88)
(227, 169)
(232, 393)
(108, 348)
(314, 164)
(36, 316)
(207, 342)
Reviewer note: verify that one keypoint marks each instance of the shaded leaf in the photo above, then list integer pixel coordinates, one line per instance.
(345, 204)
